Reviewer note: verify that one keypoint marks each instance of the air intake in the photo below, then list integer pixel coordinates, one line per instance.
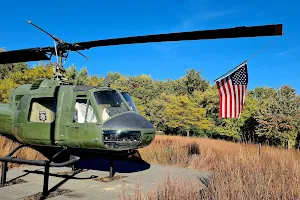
(36, 84)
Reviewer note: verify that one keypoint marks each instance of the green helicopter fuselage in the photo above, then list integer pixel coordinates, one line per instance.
(47, 113)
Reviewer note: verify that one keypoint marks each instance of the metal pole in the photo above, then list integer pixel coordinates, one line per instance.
(73, 168)
(111, 168)
(46, 179)
(4, 172)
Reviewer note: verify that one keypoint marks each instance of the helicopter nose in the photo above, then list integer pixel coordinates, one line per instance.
(130, 120)
(127, 131)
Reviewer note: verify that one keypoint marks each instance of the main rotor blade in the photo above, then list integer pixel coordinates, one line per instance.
(237, 32)
(23, 55)
(37, 54)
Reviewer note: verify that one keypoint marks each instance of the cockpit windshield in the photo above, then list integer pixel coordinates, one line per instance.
(130, 101)
(110, 103)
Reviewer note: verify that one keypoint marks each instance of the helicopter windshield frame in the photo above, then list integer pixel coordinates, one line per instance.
(129, 100)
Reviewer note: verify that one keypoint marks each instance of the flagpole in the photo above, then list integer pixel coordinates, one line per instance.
(240, 65)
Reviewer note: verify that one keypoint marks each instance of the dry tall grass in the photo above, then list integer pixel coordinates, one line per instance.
(169, 188)
(239, 172)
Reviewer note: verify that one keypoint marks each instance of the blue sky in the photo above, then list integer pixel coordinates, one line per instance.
(88, 20)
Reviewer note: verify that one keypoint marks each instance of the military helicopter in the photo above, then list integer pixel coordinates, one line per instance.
(51, 115)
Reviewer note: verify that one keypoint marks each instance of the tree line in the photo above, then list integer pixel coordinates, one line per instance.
(186, 106)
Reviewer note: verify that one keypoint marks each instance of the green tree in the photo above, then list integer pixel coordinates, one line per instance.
(71, 74)
(27, 76)
(95, 80)
(82, 77)
(77, 77)
(194, 81)
(178, 113)
(278, 122)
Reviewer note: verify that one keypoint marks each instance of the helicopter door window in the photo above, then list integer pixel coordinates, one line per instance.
(83, 112)
(42, 110)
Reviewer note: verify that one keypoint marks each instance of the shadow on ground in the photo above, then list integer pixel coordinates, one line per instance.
(129, 164)
(121, 166)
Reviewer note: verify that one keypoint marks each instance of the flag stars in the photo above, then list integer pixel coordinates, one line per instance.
(240, 76)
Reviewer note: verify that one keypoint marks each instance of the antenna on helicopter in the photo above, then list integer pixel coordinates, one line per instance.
(58, 69)
(107, 81)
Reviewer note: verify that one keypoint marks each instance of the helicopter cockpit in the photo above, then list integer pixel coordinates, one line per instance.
(109, 103)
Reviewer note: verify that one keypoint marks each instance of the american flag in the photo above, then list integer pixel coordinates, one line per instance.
(232, 91)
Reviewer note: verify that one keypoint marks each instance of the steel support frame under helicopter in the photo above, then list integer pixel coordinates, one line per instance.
(71, 162)
(61, 50)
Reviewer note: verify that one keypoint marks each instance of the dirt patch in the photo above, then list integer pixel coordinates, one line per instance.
(75, 195)
(16, 181)
(108, 179)
(65, 173)
(71, 172)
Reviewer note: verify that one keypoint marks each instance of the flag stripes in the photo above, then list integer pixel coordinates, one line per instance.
(232, 91)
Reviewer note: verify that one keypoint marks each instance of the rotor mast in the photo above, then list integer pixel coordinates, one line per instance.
(58, 69)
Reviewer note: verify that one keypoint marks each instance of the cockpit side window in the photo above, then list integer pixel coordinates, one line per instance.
(83, 111)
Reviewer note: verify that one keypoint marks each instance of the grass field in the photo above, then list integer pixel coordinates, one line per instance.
(239, 171)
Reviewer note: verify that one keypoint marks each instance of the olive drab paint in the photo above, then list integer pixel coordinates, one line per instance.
(42, 114)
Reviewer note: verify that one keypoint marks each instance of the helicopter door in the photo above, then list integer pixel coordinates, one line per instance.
(83, 128)
(40, 121)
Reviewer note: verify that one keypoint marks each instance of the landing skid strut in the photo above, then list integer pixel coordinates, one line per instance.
(46, 163)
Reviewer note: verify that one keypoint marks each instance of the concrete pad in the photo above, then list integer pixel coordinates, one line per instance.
(19, 190)
(84, 185)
